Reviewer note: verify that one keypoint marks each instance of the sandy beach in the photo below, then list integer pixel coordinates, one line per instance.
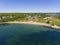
(35, 23)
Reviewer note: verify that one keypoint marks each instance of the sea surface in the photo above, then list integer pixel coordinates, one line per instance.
(27, 34)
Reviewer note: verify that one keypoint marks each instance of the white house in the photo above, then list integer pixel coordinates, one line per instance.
(3, 17)
(47, 18)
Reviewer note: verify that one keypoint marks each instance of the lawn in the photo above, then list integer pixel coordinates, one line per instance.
(55, 21)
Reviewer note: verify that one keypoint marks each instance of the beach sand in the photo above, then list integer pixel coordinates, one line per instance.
(35, 23)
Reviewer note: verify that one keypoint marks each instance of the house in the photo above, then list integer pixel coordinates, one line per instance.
(3, 17)
(47, 18)
(11, 17)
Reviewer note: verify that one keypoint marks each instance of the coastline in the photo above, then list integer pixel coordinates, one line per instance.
(34, 23)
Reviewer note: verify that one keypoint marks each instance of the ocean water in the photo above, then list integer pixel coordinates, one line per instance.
(27, 34)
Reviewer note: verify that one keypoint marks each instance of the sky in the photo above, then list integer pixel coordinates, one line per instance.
(29, 6)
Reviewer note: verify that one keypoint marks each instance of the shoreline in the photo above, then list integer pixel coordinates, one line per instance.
(34, 23)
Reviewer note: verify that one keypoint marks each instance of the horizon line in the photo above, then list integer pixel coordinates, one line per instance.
(29, 12)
